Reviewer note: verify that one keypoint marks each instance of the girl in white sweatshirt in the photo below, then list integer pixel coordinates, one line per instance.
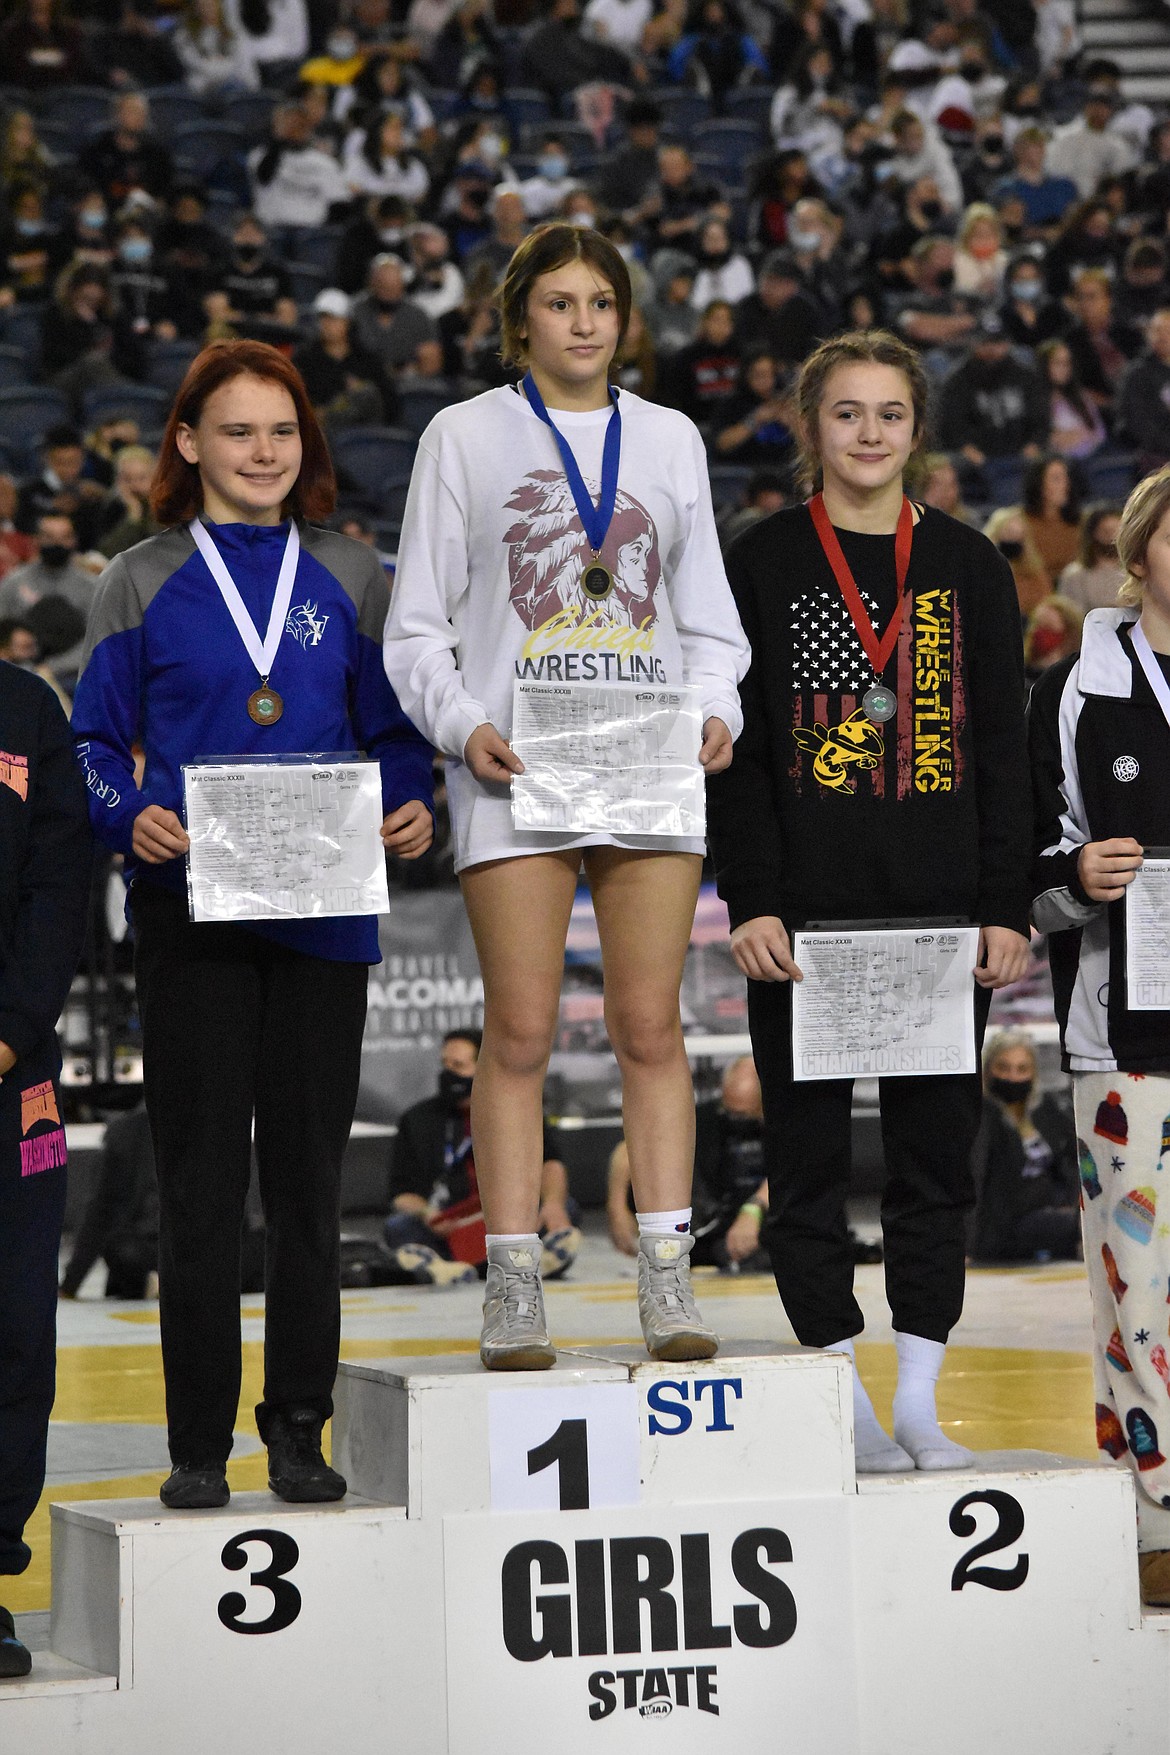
(489, 590)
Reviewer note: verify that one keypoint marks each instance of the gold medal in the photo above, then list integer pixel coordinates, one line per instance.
(265, 706)
(597, 581)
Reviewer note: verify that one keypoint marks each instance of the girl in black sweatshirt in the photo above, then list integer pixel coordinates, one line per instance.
(882, 773)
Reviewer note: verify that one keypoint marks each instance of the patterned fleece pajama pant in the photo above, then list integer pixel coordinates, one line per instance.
(1123, 1129)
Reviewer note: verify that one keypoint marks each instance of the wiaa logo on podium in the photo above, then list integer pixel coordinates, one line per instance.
(608, 1581)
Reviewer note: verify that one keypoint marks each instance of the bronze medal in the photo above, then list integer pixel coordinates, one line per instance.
(265, 706)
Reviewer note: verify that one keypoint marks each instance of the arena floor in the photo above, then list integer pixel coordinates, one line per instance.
(1018, 1373)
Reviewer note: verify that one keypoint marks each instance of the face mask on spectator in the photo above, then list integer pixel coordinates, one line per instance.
(454, 1088)
(55, 554)
(945, 279)
(1011, 548)
(1046, 641)
(249, 253)
(581, 216)
(342, 47)
(92, 219)
(992, 146)
(490, 148)
(1010, 1090)
(135, 249)
(930, 210)
(390, 235)
(29, 228)
(803, 240)
(972, 71)
(554, 166)
(1029, 292)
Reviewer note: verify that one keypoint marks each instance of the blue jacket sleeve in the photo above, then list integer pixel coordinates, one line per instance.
(107, 708)
(380, 725)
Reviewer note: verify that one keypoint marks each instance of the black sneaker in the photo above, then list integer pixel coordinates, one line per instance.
(297, 1471)
(15, 1658)
(195, 1487)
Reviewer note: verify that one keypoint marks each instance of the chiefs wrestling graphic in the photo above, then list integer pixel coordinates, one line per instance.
(607, 641)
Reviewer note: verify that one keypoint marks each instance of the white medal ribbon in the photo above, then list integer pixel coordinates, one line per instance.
(263, 655)
(1155, 675)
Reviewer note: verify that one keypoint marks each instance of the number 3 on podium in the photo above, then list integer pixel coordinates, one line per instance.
(569, 1449)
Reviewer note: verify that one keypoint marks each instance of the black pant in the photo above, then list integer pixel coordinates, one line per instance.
(234, 1026)
(32, 1208)
(928, 1129)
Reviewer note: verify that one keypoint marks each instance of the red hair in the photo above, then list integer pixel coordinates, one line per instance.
(176, 493)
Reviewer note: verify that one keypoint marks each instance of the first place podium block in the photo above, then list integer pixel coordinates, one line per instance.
(567, 1555)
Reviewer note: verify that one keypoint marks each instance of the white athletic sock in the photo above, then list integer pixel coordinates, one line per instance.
(665, 1224)
(916, 1424)
(874, 1450)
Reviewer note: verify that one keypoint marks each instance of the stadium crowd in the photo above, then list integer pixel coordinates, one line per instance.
(348, 179)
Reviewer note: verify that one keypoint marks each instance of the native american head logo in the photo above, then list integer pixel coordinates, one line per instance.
(548, 552)
(305, 625)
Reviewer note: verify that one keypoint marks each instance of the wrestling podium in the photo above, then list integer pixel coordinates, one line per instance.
(553, 1560)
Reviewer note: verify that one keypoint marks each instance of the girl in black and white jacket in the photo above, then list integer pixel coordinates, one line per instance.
(1100, 743)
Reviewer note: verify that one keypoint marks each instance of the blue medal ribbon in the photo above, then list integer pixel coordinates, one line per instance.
(595, 520)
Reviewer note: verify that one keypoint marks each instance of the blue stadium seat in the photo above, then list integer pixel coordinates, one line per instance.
(21, 328)
(1110, 475)
(82, 109)
(318, 249)
(173, 107)
(734, 143)
(13, 367)
(418, 406)
(578, 140)
(749, 103)
(525, 108)
(445, 105)
(728, 484)
(168, 363)
(374, 459)
(307, 281)
(251, 113)
(682, 110)
(204, 145)
(144, 403)
(26, 410)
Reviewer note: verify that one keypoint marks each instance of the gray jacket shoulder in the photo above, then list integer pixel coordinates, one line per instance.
(357, 570)
(131, 582)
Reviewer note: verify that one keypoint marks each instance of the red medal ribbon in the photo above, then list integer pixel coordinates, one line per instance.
(877, 651)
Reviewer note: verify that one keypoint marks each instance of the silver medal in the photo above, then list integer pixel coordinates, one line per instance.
(879, 704)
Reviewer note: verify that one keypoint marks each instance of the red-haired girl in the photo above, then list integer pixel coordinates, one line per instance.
(243, 630)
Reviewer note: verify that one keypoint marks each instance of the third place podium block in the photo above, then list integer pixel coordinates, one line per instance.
(564, 1557)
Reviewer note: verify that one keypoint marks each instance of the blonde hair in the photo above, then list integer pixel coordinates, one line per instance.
(859, 347)
(1143, 512)
(994, 528)
(978, 213)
